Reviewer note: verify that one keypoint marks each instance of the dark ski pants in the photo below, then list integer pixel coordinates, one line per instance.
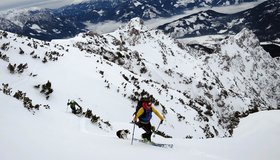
(147, 127)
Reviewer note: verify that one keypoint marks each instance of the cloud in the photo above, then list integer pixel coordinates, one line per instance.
(8, 3)
(14, 4)
(103, 27)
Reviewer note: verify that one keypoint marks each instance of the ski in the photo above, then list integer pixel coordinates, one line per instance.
(163, 145)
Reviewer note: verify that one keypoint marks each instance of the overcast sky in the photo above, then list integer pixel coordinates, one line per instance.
(12, 4)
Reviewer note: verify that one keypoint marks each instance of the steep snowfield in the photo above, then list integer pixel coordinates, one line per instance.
(53, 134)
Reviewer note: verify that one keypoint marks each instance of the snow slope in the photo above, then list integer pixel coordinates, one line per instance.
(201, 95)
(60, 135)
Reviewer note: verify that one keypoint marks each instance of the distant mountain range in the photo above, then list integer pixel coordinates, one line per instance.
(46, 24)
(263, 20)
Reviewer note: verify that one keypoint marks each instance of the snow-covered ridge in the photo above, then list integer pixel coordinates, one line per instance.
(201, 95)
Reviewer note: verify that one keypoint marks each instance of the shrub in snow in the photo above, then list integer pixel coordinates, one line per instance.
(51, 56)
(75, 107)
(189, 137)
(88, 113)
(21, 51)
(11, 68)
(208, 112)
(164, 111)
(4, 34)
(21, 96)
(78, 110)
(161, 134)
(180, 117)
(4, 46)
(6, 90)
(143, 70)
(46, 89)
(125, 77)
(4, 57)
(208, 133)
(230, 122)
(45, 60)
(100, 122)
(20, 68)
(94, 118)
(27, 102)
(32, 53)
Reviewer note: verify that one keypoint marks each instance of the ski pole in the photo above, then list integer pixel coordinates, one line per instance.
(133, 133)
(156, 129)
(67, 105)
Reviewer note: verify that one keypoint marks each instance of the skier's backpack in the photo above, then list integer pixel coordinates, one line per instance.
(139, 105)
(147, 115)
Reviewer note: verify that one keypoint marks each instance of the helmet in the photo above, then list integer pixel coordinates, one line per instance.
(145, 99)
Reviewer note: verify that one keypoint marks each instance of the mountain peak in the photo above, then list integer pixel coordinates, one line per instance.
(247, 37)
(135, 23)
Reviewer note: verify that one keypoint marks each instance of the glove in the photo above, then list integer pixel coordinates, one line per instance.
(133, 121)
